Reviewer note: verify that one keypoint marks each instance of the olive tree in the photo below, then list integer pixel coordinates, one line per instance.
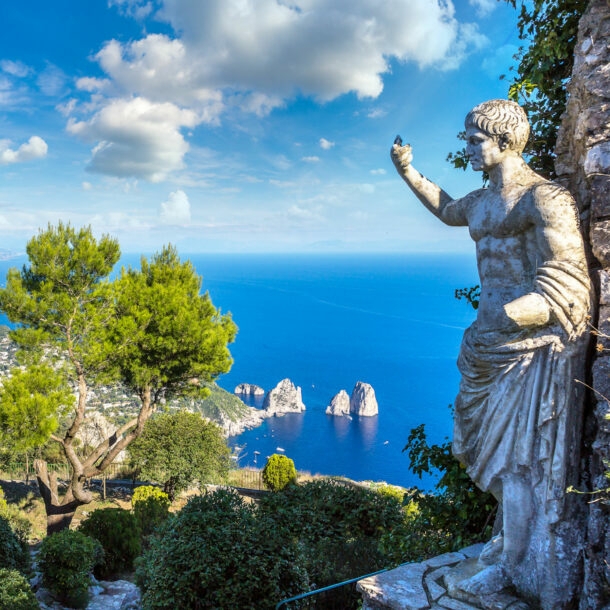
(177, 449)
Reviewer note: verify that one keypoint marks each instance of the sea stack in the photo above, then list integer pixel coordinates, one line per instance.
(339, 405)
(249, 389)
(363, 401)
(284, 398)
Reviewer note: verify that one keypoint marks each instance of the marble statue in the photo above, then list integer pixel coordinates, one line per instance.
(517, 419)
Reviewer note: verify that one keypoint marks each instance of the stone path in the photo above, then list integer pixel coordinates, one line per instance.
(430, 585)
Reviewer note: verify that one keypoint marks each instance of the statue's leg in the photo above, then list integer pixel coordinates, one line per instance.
(518, 515)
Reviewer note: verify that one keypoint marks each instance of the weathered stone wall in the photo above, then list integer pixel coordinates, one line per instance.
(583, 166)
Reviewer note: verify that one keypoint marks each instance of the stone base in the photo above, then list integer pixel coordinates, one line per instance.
(434, 584)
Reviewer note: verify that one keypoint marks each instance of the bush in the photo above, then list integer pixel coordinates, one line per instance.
(14, 553)
(15, 591)
(279, 471)
(150, 508)
(66, 560)
(457, 515)
(118, 533)
(218, 553)
(338, 526)
(18, 522)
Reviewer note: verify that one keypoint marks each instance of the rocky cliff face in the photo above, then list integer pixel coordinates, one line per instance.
(583, 166)
(339, 405)
(363, 401)
(232, 427)
(249, 389)
(284, 398)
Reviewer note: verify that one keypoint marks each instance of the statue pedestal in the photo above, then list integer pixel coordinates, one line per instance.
(434, 584)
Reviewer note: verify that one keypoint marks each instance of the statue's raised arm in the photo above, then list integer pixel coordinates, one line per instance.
(431, 195)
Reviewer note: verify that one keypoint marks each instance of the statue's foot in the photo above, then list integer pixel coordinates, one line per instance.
(492, 551)
(492, 579)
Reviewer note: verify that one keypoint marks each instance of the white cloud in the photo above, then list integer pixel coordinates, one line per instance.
(177, 209)
(253, 55)
(52, 81)
(376, 113)
(138, 9)
(378, 172)
(34, 148)
(318, 48)
(14, 68)
(484, 7)
(136, 138)
(312, 159)
(87, 186)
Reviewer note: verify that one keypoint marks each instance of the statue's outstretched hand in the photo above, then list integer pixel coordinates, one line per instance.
(401, 155)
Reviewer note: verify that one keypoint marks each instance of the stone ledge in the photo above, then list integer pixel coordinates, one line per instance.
(431, 585)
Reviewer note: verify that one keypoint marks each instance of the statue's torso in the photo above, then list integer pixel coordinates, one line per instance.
(504, 230)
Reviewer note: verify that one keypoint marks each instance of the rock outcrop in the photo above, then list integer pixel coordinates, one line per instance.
(249, 389)
(339, 405)
(363, 401)
(284, 398)
(583, 166)
(233, 427)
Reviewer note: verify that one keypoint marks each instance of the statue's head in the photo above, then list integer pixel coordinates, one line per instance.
(502, 119)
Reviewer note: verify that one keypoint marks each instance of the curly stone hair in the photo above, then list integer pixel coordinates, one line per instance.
(501, 118)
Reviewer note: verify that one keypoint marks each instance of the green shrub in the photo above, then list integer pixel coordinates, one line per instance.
(218, 553)
(118, 533)
(66, 560)
(150, 508)
(458, 514)
(18, 522)
(14, 553)
(279, 471)
(15, 591)
(338, 526)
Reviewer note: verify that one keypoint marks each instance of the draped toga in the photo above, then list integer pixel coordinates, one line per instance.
(513, 412)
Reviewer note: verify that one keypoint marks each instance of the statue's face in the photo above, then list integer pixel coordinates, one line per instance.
(483, 150)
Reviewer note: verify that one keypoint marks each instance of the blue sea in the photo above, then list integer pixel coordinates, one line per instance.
(328, 321)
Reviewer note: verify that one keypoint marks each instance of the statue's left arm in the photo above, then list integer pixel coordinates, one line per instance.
(562, 287)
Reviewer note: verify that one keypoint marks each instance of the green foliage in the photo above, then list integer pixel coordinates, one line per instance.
(14, 552)
(177, 449)
(150, 508)
(66, 560)
(472, 295)
(279, 471)
(457, 515)
(339, 527)
(30, 403)
(59, 299)
(173, 338)
(15, 591)
(391, 491)
(549, 29)
(218, 553)
(220, 404)
(19, 523)
(118, 533)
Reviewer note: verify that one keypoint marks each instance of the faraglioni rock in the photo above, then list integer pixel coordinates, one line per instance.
(249, 389)
(284, 398)
(363, 401)
(339, 405)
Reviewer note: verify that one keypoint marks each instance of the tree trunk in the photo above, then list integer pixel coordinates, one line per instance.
(59, 512)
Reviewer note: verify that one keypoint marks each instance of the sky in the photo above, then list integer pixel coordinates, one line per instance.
(241, 125)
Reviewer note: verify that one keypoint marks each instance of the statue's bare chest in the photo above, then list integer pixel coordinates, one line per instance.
(495, 216)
